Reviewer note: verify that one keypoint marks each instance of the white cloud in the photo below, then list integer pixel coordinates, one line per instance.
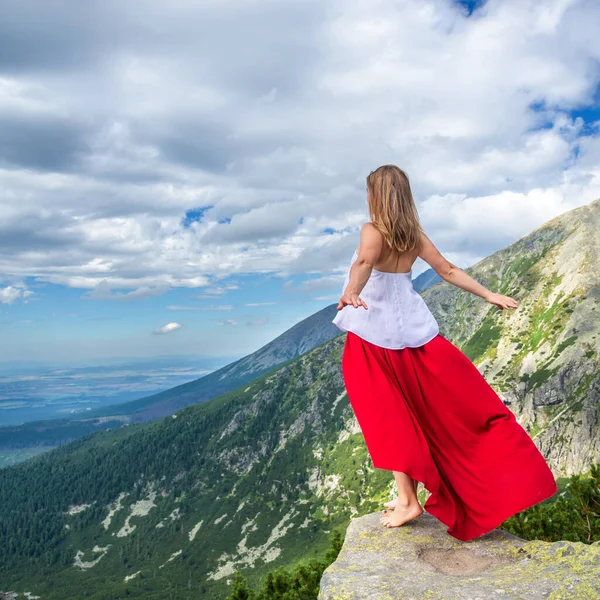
(103, 292)
(269, 126)
(220, 307)
(217, 290)
(168, 328)
(261, 321)
(313, 285)
(12, 294)
(259, 303)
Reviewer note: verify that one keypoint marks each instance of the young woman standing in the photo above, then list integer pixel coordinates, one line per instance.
(425, 411)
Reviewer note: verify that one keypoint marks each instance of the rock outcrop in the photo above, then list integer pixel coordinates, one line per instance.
(421, 561)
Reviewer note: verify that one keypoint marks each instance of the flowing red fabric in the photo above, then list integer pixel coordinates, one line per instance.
(428, 412)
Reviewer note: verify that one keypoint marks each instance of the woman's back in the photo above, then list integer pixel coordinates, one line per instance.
(396, 317)
(391, 261)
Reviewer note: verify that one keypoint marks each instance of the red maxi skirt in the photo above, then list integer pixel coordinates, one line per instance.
(428, 412)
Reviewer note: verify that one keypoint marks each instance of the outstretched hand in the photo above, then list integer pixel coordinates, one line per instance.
(501, 301)
(351, 300)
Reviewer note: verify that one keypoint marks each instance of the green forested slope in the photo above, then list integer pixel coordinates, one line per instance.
(266, 471)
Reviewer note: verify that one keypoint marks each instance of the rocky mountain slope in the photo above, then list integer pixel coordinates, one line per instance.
(258, 477)
(543, 358)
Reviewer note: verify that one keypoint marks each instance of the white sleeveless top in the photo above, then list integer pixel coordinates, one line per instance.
(396, 317)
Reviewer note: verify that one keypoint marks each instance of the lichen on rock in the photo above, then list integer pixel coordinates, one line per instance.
(419, 560)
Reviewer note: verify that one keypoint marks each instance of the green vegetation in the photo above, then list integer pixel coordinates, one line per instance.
(13, 457)
(565, 344)
(574, 516)
(300, 584)
(484, 339)
(524, 272)
(545, 321)
(231, 463)
(541, 375)
(46, 435)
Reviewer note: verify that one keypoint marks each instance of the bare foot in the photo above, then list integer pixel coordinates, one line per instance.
(401, 515)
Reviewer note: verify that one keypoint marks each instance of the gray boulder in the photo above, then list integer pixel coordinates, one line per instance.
(419, 561)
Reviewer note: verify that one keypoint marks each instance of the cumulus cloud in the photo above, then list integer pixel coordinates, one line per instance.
(186, 143)
(314, 285)
(12, 294)
(217, 290)
(168, 328)
(103, 292)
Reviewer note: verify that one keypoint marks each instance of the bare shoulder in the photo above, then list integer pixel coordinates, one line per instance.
(431, 255)
(369, 232)
(368, 226)
(424, 237)
(425, 244)
(371, 242)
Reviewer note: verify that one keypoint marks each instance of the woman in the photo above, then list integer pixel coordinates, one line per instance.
(425, 411)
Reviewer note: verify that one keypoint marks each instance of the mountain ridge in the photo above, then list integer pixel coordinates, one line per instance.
(307, 333)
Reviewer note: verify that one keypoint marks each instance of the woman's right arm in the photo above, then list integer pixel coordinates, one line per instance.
(452, 274)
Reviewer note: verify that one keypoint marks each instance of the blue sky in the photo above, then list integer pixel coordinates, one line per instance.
(189, 178)
(62, 323)
(471, 5)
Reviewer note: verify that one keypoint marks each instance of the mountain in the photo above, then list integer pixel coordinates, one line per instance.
(426, 280)
(258, 477)
(543, 357)
(297, 340)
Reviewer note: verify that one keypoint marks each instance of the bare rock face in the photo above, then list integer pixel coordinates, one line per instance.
(421, 561)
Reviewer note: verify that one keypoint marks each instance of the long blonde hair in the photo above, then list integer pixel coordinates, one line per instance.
(392, 208)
